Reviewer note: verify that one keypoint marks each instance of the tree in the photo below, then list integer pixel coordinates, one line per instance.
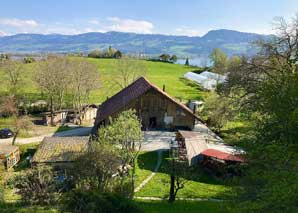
(95, 170)
(14, 73)
(173, 59)
(28, 60)
(20, 123)
(110, 53)
(125, 131)
(117, 54)
(164, 57)
(186, 62)
(95, 54)
(218, 110)
(178, 178)
(266, 86)
(37, 186)
(128, 70)
(52, 77)
(83, 79)
(219, 60)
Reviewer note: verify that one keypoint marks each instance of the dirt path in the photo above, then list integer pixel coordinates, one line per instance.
(73, 132)
(159, 160)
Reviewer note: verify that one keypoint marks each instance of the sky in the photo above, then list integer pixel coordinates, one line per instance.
(171, 17)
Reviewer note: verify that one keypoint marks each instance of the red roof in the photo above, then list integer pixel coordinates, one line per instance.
(222, 155)
(128, 94)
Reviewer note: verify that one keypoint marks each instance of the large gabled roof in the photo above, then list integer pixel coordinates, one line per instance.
(130, 93)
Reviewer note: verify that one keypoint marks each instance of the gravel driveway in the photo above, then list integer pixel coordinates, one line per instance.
(156, 140)
(73, 132)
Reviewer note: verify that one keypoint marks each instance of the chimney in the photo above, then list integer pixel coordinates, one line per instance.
(164, 88)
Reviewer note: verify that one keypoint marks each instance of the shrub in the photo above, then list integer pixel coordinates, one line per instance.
(80, 201)
(37, 186)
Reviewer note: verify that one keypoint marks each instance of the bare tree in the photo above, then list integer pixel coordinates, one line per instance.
(128, 70)
(13, 75)
(84, 77)
(52, 77)
(9, 107)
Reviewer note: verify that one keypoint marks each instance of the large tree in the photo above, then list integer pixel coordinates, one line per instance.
(125, 132)
(127, 71)
(219, 60)
(266, 88)
(52, 77)
(14, 73)
(83, 78)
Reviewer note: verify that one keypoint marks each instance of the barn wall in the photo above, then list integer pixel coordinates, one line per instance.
(167, 114)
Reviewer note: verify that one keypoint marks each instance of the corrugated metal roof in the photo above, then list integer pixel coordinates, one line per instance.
(222, 155)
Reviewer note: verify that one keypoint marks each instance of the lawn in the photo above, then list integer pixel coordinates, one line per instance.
(201, 185)
(145, 164)
(159, 73)
(180, 206)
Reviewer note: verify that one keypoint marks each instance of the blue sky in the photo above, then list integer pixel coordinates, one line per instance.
(174, 17)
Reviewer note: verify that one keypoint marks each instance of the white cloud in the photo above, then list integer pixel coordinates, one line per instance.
(13, 22)
(2, 33)
(130, 25)
(94, 22)
(188, 31)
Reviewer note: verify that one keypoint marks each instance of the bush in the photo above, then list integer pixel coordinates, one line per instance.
(94, 201)
(37, 186)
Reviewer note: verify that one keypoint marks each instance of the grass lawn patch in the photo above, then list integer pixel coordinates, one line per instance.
(179, 206)
(201, 185)
(145, 165)
(20, 208)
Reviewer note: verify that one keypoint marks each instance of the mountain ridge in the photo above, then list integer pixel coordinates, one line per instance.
(231, 41)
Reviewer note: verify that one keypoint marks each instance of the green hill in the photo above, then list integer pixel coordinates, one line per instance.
(170, 75)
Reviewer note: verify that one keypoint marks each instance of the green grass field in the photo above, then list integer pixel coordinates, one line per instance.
(170, 75)
(201, 185)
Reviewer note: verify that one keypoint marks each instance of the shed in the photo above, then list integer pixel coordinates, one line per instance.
(60, 151)
(60, 117)
(9, 155)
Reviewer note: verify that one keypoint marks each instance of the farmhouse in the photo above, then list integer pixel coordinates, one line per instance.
(60, 152)
(154, 107)
(9, 155)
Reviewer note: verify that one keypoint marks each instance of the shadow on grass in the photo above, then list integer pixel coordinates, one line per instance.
(195, 173)
(179, 206)
(27, 150)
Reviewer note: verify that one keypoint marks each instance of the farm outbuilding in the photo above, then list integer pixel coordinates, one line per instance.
(9, 155)
(60, 117)
(60, 152)
(154, 107)
(203, 145)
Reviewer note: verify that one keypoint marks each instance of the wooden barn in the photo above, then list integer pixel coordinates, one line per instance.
(154, 107)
